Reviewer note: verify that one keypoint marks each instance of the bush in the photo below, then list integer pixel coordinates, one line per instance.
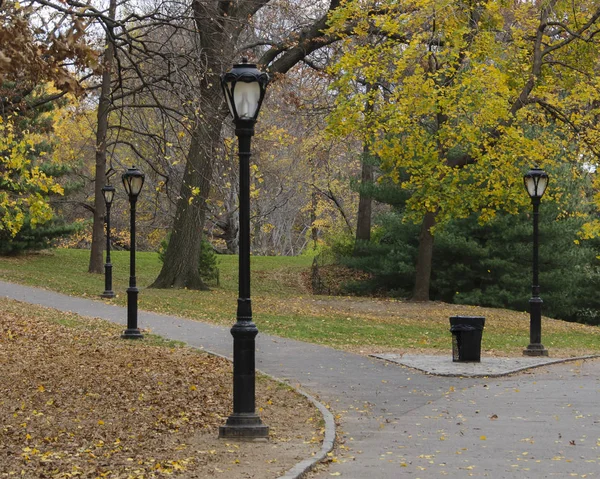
(389, 258)
(487, 265)
(491, 265)
(33, 239)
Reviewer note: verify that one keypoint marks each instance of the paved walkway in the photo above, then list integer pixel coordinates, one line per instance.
(397, 421)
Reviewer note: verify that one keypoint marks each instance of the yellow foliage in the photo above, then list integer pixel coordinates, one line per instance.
(443, 110)
(24, 184)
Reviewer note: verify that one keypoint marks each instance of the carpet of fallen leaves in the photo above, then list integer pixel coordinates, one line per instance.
(78, 401)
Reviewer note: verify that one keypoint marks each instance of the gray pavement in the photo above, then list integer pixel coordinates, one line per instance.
(398, 421)
(488, 367)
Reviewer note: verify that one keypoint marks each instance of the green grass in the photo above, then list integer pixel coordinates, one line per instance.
(282, 306)
(66, 271)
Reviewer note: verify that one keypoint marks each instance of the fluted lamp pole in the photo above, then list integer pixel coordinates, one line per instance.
(536, 181)
(108, 192)
(133, 180)
(244, 87)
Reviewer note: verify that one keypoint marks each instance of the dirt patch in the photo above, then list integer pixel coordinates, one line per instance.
(78, 401)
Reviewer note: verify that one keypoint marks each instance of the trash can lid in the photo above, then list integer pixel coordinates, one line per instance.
(477, 322)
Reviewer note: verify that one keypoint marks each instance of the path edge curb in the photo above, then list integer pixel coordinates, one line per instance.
(306, 465)
(301, 468)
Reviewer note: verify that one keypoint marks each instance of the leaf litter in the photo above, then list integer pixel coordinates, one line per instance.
(78, 401)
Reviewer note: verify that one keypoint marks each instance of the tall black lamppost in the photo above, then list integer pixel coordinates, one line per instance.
(133, 180)
(108, 192)
(536, 181)
(244, 87)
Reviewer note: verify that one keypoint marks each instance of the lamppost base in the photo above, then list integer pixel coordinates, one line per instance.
(108, 294)
(535, 350)
(132, 334)
(244, 426)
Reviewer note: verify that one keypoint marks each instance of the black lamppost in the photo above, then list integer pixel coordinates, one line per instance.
(536, 181)
(133, 180)
(244, 87)
(108, 192)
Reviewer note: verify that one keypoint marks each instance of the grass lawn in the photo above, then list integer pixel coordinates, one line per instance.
(282, 306)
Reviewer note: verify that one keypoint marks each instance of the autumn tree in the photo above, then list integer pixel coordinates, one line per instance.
(96, 264)
(469, 94)
(301, 174)
(34, 50)
(148, 70)
(39, 65)
(223, 30)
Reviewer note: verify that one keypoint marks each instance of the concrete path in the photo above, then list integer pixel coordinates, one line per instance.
(400, 422)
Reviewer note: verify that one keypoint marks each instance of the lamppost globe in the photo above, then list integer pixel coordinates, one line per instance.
(536, 181)
(133, 180)
(108, 192)
(244, 87)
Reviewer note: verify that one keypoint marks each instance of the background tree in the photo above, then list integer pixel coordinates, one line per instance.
(96, 260)
(39, 66)
(223, 29)
(475, 92)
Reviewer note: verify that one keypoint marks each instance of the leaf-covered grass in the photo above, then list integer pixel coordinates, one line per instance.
(282, 306)
(78, 401)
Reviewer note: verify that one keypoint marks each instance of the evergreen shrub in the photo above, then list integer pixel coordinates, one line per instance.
(487, 265)
(35, 238)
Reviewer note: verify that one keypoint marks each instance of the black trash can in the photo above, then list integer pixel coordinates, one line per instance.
(466, 337)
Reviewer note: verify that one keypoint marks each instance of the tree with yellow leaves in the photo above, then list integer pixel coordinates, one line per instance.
(23, 184)
(468, 94)
(38, 67)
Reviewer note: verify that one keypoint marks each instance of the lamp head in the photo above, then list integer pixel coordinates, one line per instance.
(536, 181)
(108, 192)
(244, 87)
(133, 180)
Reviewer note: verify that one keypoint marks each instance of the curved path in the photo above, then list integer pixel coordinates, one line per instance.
(399, 422)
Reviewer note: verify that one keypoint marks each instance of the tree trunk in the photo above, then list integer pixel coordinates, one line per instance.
(314, 202)
(96, 264)
(363, 224)
(424, 259)
(230, 234)
(314, 231)
(181, 266)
